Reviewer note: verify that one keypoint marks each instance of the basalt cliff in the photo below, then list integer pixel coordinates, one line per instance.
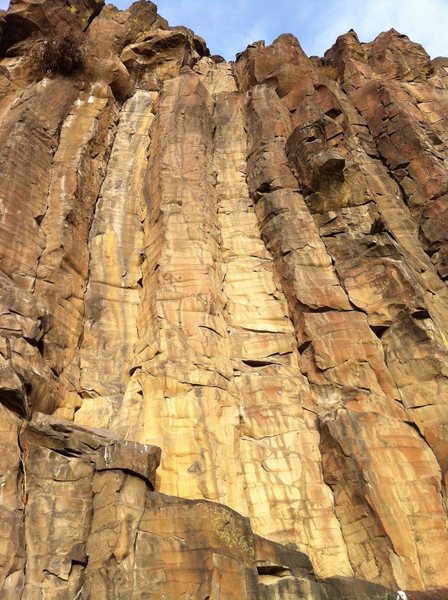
(223, 313)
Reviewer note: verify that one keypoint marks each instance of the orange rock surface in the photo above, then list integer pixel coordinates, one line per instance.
(243, 264)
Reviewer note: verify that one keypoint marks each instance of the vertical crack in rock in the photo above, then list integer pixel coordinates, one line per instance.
(181, 330)
(275, 436)
(112, 296)
(368, 546)
(63, 266)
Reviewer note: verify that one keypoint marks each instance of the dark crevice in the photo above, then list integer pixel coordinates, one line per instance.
(67, 452)
(15, 401)
(333, 113)
(415, 427)
(378, 226)
(38, 344)
(258, 363)
(379, 330)
(210, 329)
(274, 570)
(93, 16)
(429, 251)
(81, 563)
(321, 309)
(304, 346)
(41, 346)
(264, 188)
(334, 234)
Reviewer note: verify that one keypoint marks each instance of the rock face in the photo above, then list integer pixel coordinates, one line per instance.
(80, 520)
(243, 265)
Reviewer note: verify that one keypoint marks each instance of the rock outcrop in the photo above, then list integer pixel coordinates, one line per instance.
(244, 265)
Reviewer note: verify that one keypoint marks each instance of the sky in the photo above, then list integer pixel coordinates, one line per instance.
(228, 26)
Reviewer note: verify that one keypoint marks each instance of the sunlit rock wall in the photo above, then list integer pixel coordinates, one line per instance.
(243, 264)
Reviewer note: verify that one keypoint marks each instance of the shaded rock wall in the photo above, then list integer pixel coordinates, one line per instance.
(243, 264)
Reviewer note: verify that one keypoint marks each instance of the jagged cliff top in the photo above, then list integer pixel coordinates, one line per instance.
(391, 54)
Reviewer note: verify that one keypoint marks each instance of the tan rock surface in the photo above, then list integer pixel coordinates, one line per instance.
(244, 265)
(80, 520)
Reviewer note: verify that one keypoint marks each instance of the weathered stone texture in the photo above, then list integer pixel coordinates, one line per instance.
(80, 520)
(243, 264)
